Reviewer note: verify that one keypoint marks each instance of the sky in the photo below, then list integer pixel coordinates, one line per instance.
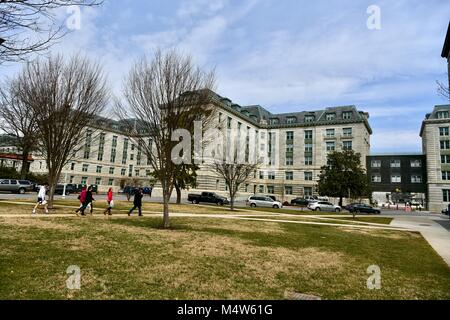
(286, 55)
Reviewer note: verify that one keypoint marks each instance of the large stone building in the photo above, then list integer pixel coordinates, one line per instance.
(446, 52)
(293, 148)
(435, 135)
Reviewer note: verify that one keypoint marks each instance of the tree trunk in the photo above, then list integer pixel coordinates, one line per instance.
(177, 188)
(341, 201)
(166, 198)
(25, 165)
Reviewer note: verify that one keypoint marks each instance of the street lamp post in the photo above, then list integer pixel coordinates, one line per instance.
(65, 184)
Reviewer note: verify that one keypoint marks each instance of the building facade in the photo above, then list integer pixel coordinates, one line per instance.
(291, 147)
(435, 135)
(446, 52)
(398, 178)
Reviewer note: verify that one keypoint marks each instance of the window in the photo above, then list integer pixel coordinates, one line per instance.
(130, 170)
(229, 122)
(270, 189)
(347, 115)
(444, 132)
(416, 179)
(442, 114)
(446, 195)
(288, 190)
(289, 161)
(347, 145)
(376, 164)
(101, 146)
(125, 151)
(308, 161)
(396, 164)
(274, 121)
(416, 163)
(72, 178)
(84, 180)
(132, 157)
(446, 175)
(114, 149)
(396, 179)
(99, 169)
(87, 145)
(85, 168)
(72, 166)
(308, 135)
(308, 176)
(308, 191)
(376, 178)
(261, 189)
(98, 181)
(123, 172)
(445, 145)
(309, 119)
(289, 136)
(308, 147)
(110, 182)
(331, 116)
(348, 132)
(148, 173)
(137, 172)
(289, 175)
(111, 170)
(330, 133)
(291, 120)
(261, 175)
(331, 146)
(271, 176)
(445, 159)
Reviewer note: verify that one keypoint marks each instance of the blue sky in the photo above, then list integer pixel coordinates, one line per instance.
(288, 55)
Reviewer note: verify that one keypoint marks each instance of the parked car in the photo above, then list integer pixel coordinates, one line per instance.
(207, 197)
(70, 189)
(361, 208)
(299, 202)
(15, 186)
(265, 202)
(324, 206)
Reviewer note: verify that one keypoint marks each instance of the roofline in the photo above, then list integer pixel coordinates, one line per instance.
(446, 49)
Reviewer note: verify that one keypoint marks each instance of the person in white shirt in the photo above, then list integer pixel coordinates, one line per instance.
(41, 198)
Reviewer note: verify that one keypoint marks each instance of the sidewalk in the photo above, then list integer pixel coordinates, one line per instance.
(434, 232)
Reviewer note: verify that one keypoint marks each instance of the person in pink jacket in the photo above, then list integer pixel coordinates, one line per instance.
(109, 199)
(82, 198)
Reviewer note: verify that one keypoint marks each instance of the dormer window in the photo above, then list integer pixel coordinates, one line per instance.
(274, 121)
(347, 115)
(310, 118)
(442, 114)
(291, 120)
(331, 116)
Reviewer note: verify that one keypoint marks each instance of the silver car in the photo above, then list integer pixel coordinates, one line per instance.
(324, 206)
(264, 202)
(15, 186)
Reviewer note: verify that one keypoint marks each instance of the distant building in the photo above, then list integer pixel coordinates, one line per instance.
(398, 178)
(435, 135)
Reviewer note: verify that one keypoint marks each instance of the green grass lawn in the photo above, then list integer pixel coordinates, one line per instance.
(204, 258)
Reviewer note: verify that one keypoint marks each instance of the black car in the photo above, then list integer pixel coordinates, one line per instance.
(362, 208)
(299, 202)
(70, 189)
(207, 197)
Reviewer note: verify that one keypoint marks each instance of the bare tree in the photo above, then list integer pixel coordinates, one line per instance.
(29, 26)
(65, 98)
(444, 90)
(17, 120)
(163, 96)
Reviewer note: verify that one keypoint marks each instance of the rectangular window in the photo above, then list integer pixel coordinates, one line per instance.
(308, 135)
(308, 191)
(308, 147)
(376, 164)
(396, 179)
(416, 179)
(444, 132)
(271, 176)
(288, 190)
(376, 178)
(289, 136)
(98, 181)
(125, 151)
(445, 145)
(99, 169)
(396, 164)
(123, 172)
(289, 175)
(72, 166)
(111, 170)
(291, 120)
(446, 175)
(347, 145)
(308, 176)
(110, 182)
(416, 163)
(442, 115)
(261, 189)
(137, 172)
(84, 181)
(261, 175)
(331, 146)
(331, 116)
(330, 133)
(308, 161)
(446, 195)
(270, 189)
(101, 146)
(72, 178)
(87, 145)
(309, 119)
(229, 123)
(289, 161)
(445, 159)
(348, 132)
(113, 149)
(85, 168)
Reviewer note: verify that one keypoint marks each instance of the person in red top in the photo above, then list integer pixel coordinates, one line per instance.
(82, 198)
(109, 199)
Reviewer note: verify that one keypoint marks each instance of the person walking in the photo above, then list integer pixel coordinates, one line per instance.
(90, 200)
(41, 198)
(82, 198)
(138, 195)
(109, 199)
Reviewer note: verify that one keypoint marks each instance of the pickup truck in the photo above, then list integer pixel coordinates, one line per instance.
(207, 197)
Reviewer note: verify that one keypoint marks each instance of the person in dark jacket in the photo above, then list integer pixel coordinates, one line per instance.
(138, 195)
(88, 201)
